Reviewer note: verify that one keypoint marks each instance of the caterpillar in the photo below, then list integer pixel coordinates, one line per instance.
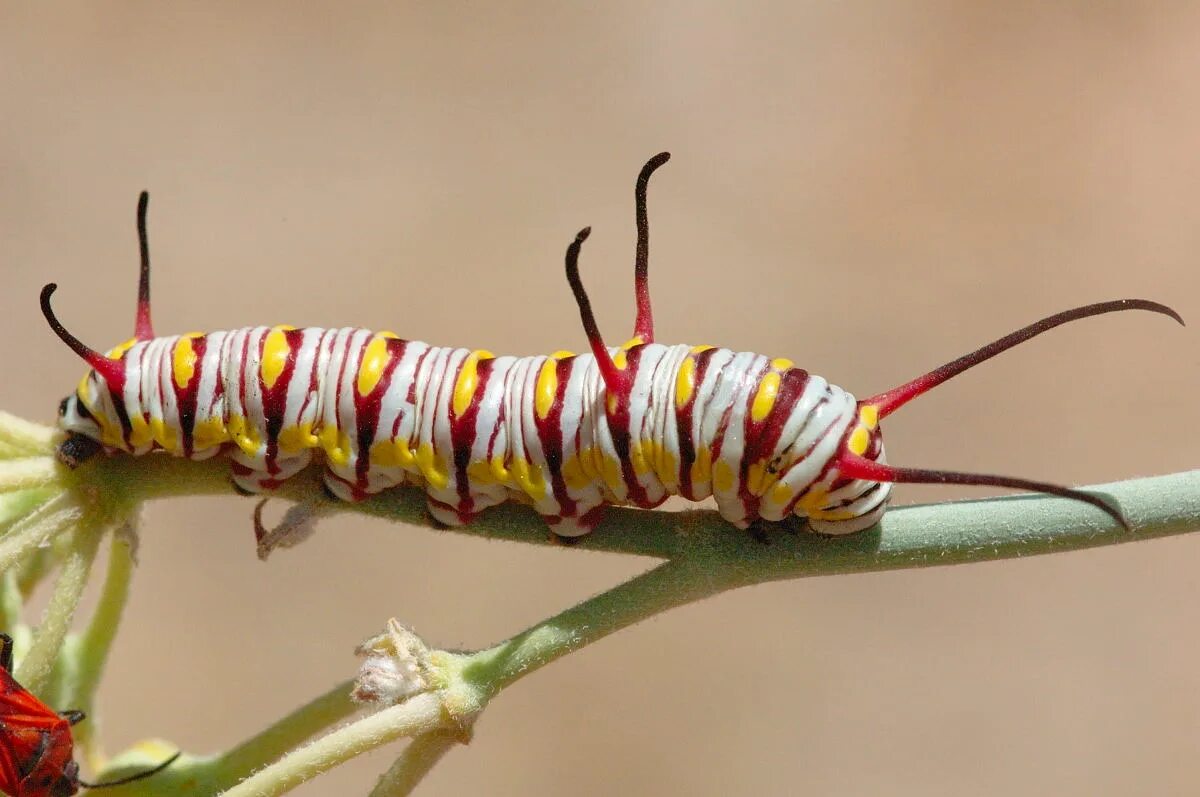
(569, 433)
(36, 747)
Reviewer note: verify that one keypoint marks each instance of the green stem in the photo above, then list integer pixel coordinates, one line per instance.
(418, 758)
(91, 649)
(27, 473)
(921, 536)
(419, 715)
(209, 775)
(329, 708)
(669, 585)
(1013, 522)
(40, 527)
(11, 601)
(35, 668)
(14, 506)
(26, 436)
(96, 641)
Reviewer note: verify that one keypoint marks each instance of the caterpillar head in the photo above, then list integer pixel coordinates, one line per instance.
(83, 432)
(95, 416)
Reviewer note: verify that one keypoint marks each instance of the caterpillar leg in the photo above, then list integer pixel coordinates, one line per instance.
(342, 489)
(569, 528)
(251, 475)
(447, 515)
(838, 528)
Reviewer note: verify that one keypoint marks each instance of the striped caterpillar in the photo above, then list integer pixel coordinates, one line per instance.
(568, 434)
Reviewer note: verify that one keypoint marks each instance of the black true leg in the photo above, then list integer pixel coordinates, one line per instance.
(6, 656)
(760, 531)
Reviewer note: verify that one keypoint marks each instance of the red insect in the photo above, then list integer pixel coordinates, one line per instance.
(35, 742)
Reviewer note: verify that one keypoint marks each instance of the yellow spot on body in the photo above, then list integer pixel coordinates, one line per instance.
(529, 479)
(611, 403)
(685, 383)
(813, 500)
(562, 354)
(431, 466)
(208, 433)
(764, 399)
(276, 352)
(698, 349)
(183, 363)
(869, 414)
(83, 389)
(111, 435)
(610, 471)
(636, 340)
(782, 493)
(375, 359)
(139, 431)
(573, 471)
(859, 439)
(296, 438)
(663, 463)
(391, 454)
(723, 477)
(244, 436)
(383, 453)
(702, 467)
(164, 435)
(638, 455)
(468, 380)
(334, 442)
(547, 389)
(499, 471)
(118, 351)
(782, 364)
(758, 479)
(621, 360)
(480, 472)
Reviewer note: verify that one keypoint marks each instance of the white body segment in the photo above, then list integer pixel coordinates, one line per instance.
(475, 430)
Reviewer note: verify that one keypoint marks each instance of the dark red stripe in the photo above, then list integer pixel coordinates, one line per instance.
(187, 396)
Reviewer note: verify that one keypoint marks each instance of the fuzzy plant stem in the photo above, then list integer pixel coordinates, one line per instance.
(420, 756)
(422, 714)
(922, 536)
(35, 668)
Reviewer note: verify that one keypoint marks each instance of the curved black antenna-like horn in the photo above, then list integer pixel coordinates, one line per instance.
(107, 367)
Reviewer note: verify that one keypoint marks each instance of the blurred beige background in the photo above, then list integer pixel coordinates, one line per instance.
(869, 189)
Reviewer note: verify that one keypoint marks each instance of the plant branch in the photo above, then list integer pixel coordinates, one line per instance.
(328, 709)
(418, 758)
(911, 536)
(419, 715)
(35, 668)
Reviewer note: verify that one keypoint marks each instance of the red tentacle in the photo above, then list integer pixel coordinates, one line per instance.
(616, 380)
